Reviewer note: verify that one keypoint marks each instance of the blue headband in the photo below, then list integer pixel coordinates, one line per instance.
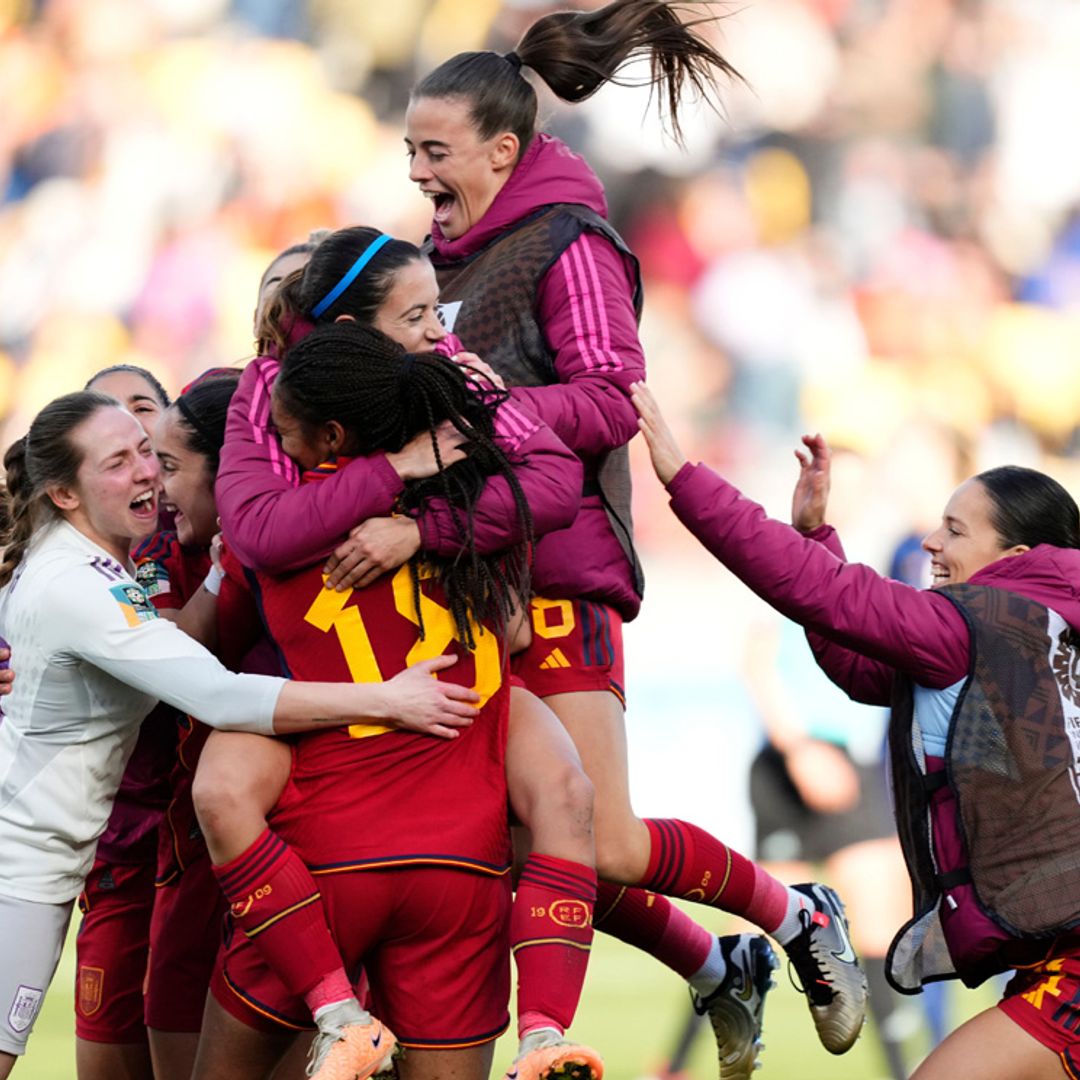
(351, 274)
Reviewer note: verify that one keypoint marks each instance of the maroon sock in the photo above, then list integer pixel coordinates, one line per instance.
(689, 863)
(653, 924)
(274, 899)
(550, 935)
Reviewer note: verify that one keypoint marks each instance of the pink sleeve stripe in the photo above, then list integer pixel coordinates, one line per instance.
(591, 328)
(259, 418)
(513, 425)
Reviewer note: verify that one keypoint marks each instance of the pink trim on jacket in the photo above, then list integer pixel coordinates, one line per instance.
(584, 305)
(864, 627)
(274, 523)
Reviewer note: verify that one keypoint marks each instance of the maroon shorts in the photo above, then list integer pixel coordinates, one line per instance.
(576, 645)
(433, 941)
(111, 953)
(185, 936)
(1044, 999)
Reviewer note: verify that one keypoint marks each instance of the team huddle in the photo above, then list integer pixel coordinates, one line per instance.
(318, 689)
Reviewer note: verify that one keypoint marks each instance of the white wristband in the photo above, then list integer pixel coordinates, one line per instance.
(213, 580)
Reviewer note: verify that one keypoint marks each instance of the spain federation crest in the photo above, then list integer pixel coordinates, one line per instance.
(91, 986)
(24, 1008)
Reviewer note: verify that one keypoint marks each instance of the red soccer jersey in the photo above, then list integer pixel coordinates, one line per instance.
(170, 574)
(369, 796)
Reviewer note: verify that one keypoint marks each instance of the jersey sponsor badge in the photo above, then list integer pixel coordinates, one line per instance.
(134, 604)
(153, 577)
(24, 1007)
(91, 989)
(448, 313)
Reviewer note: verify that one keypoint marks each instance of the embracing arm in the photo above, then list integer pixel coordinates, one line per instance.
(585, 306)
(550, 476)
(271, 521)
(115, 628)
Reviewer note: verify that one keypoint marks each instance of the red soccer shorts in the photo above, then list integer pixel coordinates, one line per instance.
(1044, 999)
(111, 950)
(576, 645)
(185, 936)
(433, 941)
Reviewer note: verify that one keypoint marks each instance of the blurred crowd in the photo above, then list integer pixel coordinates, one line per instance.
(875, 234)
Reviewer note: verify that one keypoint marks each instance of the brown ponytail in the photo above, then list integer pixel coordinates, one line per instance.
(16, 510)
(575, 53)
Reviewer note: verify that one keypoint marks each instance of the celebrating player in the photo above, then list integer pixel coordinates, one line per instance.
(80, 487)
(413, 827)
(981, 673)
(393, 288)
(541, 286)
(118, 899)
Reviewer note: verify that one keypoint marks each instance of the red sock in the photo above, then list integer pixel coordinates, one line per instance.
(550, 934)
(274, 899)
(653, 924)
(687, 862)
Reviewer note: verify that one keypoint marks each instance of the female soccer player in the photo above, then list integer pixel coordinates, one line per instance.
(118, 899)
(80, 487)
(981, 672)
(438, 967)
(175, 569)
(534, 278)
(393, 289)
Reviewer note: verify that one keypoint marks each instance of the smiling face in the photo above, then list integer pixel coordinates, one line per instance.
(460, 172)
(409, 312)
(188, 481)
(137, 395)
(114, 498)
(966, 540)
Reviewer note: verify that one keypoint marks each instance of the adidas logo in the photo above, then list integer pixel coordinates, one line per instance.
(554, 659)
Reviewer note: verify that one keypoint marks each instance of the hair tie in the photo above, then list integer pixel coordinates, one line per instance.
(513, 60)
(351, 274)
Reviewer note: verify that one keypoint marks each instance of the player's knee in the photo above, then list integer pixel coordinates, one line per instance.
(215, 797)
(622, 853)
(577, 794)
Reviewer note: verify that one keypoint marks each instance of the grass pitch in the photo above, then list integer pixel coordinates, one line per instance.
(632, 1012)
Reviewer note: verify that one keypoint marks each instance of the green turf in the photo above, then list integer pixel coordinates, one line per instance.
(631, 1012)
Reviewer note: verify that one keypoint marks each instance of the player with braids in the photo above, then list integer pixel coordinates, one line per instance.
(439, 982)
(535, 279)
(404, 393)
(274, 524)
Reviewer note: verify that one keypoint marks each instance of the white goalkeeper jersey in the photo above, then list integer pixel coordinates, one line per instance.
(91, 659)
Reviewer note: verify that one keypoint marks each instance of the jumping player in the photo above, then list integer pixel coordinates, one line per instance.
(539, 283)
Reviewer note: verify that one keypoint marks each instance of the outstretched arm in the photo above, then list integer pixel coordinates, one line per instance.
(912, 630)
